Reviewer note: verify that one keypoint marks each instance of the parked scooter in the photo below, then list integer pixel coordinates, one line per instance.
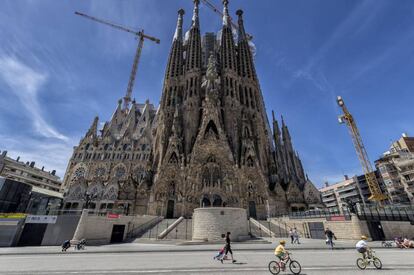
(65, 245)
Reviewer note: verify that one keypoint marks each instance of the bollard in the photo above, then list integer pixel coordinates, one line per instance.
(271, 237)
(186, 225)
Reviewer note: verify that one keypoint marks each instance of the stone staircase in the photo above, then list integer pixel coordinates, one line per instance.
(266, 229)
(257, 230)
(183, 231)
(285, 226)
(279, 229)
(153, 232)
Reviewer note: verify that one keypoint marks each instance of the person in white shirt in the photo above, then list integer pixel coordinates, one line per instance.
(362, 246)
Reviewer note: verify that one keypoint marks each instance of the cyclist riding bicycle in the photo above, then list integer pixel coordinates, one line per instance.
(362, 246)
(281, 253)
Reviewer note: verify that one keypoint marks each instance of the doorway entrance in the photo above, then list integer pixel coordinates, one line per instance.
(32, 234)
(170, 209)
(376, 231)
(252, 209)
(217, 201)
(205, 202)
(117, 235)
(317, 231)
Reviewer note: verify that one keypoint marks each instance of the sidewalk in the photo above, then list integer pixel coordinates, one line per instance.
(148, 246)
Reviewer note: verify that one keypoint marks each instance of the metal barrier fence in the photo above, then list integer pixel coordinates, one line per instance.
(58, 212)
(320, 214)
(404, 213)
(364, 212)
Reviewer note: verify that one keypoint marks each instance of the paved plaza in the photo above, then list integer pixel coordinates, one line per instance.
(168, 258)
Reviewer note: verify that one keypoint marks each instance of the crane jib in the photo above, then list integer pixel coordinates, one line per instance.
(142, 36)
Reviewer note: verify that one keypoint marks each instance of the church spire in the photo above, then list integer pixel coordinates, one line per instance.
(179, 29)
(175, 61)
(193, 56)
(285, 131)
(228, 51)
(93, 129)
(276, 130)
(242, 32)
(246, 66)
(196, 22)
(226, 16)
(287, 141)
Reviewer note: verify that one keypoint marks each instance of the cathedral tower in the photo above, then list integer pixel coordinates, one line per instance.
(213, 143)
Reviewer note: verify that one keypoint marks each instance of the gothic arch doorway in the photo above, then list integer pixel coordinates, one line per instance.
(252, 209)
(205, 202)
(170, 209)
(217, 201)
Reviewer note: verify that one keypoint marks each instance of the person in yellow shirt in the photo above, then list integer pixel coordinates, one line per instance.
(281, 253)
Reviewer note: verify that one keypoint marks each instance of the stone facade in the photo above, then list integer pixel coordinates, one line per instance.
(110, 166)
(211, 142)
(213, 145)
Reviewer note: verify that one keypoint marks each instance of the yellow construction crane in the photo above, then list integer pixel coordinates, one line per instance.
(374, 188)
(140, 36)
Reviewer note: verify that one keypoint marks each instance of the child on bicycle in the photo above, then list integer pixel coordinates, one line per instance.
(281, 253)
(362, 246)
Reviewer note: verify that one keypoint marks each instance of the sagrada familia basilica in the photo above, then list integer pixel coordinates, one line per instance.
(208, 144)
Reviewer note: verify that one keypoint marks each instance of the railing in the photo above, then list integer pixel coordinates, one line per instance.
(311, 214)
(138, 231)
(387, 213)
(58, 212)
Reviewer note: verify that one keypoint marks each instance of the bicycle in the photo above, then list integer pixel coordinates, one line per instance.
(276, 266)
(362, 263)
(387, 244)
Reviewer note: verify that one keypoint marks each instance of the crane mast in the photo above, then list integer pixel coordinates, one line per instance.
(141, 36)
(374, 188)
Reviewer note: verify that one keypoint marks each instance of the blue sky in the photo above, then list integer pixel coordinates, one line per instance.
(58, 70)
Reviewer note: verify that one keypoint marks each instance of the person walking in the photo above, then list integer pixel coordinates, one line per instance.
(227, 248)
(329, 237)
(295, 236)
(291, 235)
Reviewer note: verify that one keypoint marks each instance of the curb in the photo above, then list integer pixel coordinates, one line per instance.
(168, 251)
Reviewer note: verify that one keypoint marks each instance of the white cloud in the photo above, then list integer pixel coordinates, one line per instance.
(25, 83)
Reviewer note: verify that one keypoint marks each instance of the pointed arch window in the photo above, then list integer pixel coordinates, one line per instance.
(249, 161)
(173, 159)
(211, 130)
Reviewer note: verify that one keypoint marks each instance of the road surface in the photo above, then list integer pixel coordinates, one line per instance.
(317, 262)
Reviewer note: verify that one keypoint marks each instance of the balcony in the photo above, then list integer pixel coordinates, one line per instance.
(331, 204)
(347, 188)
(328, 193)
(354, 192)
